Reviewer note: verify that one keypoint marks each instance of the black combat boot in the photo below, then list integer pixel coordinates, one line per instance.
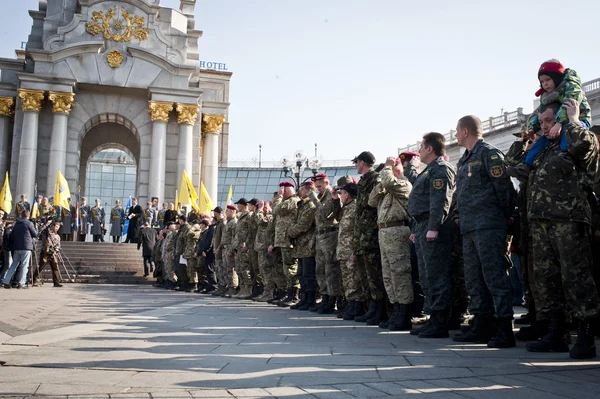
(386, 324)
(291, 299)
(278, 294)
(535, 331)
(329, 307)
(403, 319)
(301, 302)
(191, 287)
(504, 338)
(351, 313)
(438, 325)
(456, 317)
(556, 339)
(380, 313)
(481, 330)
(585, 347)
(423, 327)
(286, 296)
(310, 301)
(349, 307)
(316, 307)
(372, 309)
(340, 305)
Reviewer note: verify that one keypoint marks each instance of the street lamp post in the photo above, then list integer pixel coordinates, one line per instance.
(294, 166)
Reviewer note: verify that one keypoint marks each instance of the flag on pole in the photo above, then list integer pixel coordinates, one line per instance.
(206, 204)
(126, 224)
(6, 196)
(35, 211)
(62, 192)
(229, 196)
(187, 193)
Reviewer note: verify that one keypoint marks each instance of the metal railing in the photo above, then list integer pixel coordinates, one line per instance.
(255, 163)
(591, 86)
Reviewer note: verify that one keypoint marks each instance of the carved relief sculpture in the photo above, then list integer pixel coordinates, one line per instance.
(187, 113)
(7, 106)
(31, 100)
(118, 29)
(114, 58)
(159, 110)
(61, 102)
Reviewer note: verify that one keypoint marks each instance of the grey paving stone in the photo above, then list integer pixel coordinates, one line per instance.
(389, 388)
(210, 393)
(327, 392)
(250, 393)
(359, 390)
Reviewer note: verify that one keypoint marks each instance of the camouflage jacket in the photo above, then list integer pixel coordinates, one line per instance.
(242, 230)
(390, 197)
(228, 233)
(190, 241)
(432, 193)
(302, 231)
(345, 247)
(485, 196)
(559, 195)
(157, 251)
(270, 232)
(253, 230)
(324, 218)
(180, 243)
(285, 213)
(167, 251)
(569, 88)
(365, 229)
(262, 225)
(218, 234)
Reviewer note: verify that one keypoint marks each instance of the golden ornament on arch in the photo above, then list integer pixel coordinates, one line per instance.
(115, 58)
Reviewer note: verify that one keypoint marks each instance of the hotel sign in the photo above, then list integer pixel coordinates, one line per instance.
(217, 66)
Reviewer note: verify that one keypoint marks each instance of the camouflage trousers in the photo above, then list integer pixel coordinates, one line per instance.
(329, 275)
(394, 244)
(254, 267)
(352, 280)
(220, 270)
(486, 272)
(289, 266)
(458, 291)
(242, 267)
(534, 300)
(265, 270)
(369, 264)
(276, 269)
(169, 269)
(231, 277)
(433, 258)
(562, 259)
(193, 269)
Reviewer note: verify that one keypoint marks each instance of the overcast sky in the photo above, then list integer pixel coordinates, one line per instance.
(355, 75)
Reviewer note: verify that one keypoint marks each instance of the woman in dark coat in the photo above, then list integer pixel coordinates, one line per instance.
(147, 241)
(134, 214)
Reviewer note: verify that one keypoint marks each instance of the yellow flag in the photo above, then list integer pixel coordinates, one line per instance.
(206, 204)
(176, 200)
(187, 194)
(6, 196)
(62, 192)
(35, 211)
(228, 202)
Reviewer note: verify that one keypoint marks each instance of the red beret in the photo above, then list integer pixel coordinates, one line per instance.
(320, 176)
(408, 155)
(286, 184)
(232, 207)
(308, 183)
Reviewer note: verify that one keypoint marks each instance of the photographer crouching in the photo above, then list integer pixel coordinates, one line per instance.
(50, 248)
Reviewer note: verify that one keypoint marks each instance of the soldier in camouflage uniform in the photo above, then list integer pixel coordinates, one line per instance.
(220, 223)
(485, 201)
(159, 270)
(390, 197)
(178, 249)
(368, 255)
(168, 258)
(257, 283)
(189, 251)
(560, 215)
(329, 275)
(284, 213)
(429, 206)
(275, 269)
(226, 249)
(241, 246)
(263, 218)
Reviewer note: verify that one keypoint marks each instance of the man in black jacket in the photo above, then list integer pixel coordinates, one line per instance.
(21, 242)
(134, 214)
(147, 241)
(205, 250)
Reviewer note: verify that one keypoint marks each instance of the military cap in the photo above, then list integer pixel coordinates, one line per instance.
(408, 155)
(342, 181)
(233, 208)
(242, 201)
(308, 184)
(218, 209)
(365, 156)
(204, 222)
(320, 176)
(286, 184)
(253, 201)
(595, 129)
(351, 188)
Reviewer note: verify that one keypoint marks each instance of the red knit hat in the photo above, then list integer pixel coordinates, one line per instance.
(552, 68)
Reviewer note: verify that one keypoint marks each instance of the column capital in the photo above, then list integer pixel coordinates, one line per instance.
(31, 99)
(62, 103)
(187, 113)
(212, 123)
(159, 110)
(7, 106)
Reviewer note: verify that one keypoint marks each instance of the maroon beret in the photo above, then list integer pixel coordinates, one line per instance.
(286, 184)
(408, 155)
(308, 184)
(232, 207)
(320, 176)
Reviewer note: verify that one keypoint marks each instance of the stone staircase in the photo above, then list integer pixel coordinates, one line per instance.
(101, 263)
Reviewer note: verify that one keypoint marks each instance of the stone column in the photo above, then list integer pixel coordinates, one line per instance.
(159, 113)
(6, 112)
(31, 101)
(211, 128)
(62, 103)
(186, 117)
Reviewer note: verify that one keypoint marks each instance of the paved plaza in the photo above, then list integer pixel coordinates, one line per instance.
(110, 341)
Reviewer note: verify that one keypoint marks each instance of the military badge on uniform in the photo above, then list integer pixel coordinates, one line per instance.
(438, 184)
(494, 157)
(496, 171)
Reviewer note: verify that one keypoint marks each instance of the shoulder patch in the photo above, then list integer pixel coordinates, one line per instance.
(438, 184)
(496, 171)
(494, 157)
